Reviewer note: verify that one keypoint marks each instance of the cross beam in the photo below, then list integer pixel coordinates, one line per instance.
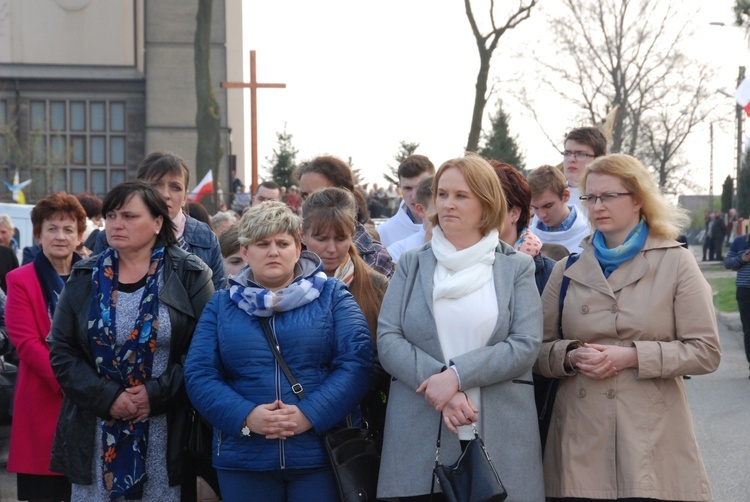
(253, 85)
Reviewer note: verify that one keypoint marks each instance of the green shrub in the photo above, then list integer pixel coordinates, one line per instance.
(724, 297)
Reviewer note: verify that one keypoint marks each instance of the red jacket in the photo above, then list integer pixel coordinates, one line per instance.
(38, 395)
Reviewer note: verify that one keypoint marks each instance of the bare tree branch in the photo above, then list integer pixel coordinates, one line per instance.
(627, 53)
(486, 45)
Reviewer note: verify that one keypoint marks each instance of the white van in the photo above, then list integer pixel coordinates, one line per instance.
(21, 216)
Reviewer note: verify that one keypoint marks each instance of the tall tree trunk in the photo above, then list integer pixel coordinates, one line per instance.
(480, 101)
(486, 44)
(207, 119)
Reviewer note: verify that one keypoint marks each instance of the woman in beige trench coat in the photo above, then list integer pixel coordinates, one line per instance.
(637, 316)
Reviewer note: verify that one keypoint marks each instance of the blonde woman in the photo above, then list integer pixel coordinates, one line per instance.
(459, 330)
(267, 440)
(638, 315)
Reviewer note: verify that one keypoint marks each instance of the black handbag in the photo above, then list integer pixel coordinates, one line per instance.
(355, 460)
(200, 434)
(353, 451)
(8, 377)
(472, 478)
(545, 389)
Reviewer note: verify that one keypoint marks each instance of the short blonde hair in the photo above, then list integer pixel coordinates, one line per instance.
(483, 183)
(5, 221)
(266, 220)
(664, 220)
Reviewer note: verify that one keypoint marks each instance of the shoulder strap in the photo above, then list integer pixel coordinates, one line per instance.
(296, 386)
(564, 291)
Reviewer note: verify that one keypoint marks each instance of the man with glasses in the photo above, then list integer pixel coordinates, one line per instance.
(582, 146)
(555, 221)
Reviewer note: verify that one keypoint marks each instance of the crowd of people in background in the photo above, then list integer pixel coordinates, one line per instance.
(411, 308)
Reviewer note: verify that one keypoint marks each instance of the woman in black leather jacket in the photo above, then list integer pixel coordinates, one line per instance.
(115, 398)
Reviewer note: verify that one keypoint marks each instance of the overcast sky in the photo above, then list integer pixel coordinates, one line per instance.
(361, 77)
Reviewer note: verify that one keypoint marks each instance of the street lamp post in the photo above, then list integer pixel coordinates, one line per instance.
(740, 119)
(711, 168)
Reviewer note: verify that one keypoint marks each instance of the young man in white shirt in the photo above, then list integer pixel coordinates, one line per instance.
(555, 220)
(406, 221)
(425, 205)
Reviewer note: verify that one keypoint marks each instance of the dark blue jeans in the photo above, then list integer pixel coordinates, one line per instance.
(743, 302)
(708, 245)
(288, 485)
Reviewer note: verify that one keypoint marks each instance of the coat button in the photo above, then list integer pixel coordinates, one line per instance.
(581, 392)
(585, 309)
(613, 309)
(610, 394)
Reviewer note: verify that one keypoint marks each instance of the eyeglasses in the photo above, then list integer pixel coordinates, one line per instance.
(578, 155)
(606, 198)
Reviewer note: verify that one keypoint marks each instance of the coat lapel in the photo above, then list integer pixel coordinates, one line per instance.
(174, 295)
(503, 286)
(630, 272)
(587, 271)
(426, 275)
(425, 278)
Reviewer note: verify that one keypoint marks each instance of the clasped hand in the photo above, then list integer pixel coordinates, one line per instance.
(133, 404)
(441, 392)
(277, 420)
(603, 361)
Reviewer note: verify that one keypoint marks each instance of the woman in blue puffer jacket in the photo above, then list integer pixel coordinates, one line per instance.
(267, 441)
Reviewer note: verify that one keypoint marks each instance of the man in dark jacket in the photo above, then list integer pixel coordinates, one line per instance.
(718, 233)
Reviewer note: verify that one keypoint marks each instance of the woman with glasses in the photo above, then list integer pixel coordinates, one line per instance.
(638, 315)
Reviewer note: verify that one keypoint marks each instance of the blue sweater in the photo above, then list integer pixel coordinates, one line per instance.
(230, 370)
(733, 260)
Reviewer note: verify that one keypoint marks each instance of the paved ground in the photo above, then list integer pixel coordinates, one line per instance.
(7, 481)
(719, 403)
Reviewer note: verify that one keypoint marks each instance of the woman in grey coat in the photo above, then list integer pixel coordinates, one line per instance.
(459, 330)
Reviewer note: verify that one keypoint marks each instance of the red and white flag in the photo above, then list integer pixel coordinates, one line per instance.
(742, 95)
(206, 186)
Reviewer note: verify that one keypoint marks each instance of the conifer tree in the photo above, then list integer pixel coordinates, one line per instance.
(283, 161)
(499, 144)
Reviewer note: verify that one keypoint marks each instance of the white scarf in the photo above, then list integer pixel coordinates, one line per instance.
(459, 273)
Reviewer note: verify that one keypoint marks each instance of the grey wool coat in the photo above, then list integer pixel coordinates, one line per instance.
(409, 350)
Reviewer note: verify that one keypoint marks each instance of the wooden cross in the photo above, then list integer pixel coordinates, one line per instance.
(253, 85)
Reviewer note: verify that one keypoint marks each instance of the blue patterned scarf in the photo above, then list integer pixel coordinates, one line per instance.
(49, 280)
(610, 259)
(124, 444)
(261, 302)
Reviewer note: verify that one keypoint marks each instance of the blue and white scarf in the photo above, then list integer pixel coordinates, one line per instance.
(258, 301)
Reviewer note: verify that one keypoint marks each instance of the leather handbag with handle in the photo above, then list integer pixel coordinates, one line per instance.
(472, 478)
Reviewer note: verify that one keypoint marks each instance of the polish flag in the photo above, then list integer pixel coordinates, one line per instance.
(206, 186)
(742, 95)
